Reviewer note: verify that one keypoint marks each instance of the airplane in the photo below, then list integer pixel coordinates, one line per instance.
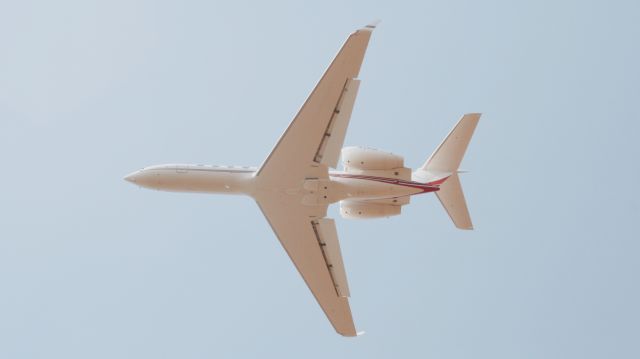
(294, 185)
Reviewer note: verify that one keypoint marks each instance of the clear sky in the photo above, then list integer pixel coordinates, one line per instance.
(93, 267)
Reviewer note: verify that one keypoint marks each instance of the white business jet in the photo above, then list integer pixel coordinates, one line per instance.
(294, 186)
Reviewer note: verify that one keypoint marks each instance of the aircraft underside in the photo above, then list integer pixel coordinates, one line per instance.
(294, 186)
(338, 186)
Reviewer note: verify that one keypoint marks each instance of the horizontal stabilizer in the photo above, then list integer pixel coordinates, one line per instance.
(442, 169)
(447, 157)
(452, 199)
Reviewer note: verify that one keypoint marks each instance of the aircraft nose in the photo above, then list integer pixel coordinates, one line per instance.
(131, 177)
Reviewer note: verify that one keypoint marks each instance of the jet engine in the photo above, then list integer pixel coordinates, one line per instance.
(363, 210)
(372, 162)
(362, 158)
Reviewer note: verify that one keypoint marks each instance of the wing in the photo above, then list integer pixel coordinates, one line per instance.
(312, 244)
(291, 185)
(316, 134)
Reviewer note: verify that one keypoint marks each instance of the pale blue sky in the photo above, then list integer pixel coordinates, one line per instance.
(93, 267)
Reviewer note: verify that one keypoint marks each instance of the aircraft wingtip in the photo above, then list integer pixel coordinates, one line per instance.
(372, 25)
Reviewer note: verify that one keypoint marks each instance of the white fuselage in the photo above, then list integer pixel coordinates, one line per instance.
(241, 180)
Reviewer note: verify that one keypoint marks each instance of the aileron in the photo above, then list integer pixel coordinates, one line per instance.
(327, 236)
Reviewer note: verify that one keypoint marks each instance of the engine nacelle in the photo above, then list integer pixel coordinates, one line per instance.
(362, 158)
(363, 210)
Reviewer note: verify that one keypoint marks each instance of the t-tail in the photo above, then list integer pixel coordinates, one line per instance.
(442, 168)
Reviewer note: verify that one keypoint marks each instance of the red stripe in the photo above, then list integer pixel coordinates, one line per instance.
(438, 182)
(425, 187)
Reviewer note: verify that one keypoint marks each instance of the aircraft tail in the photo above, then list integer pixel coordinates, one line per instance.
(442, 167)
